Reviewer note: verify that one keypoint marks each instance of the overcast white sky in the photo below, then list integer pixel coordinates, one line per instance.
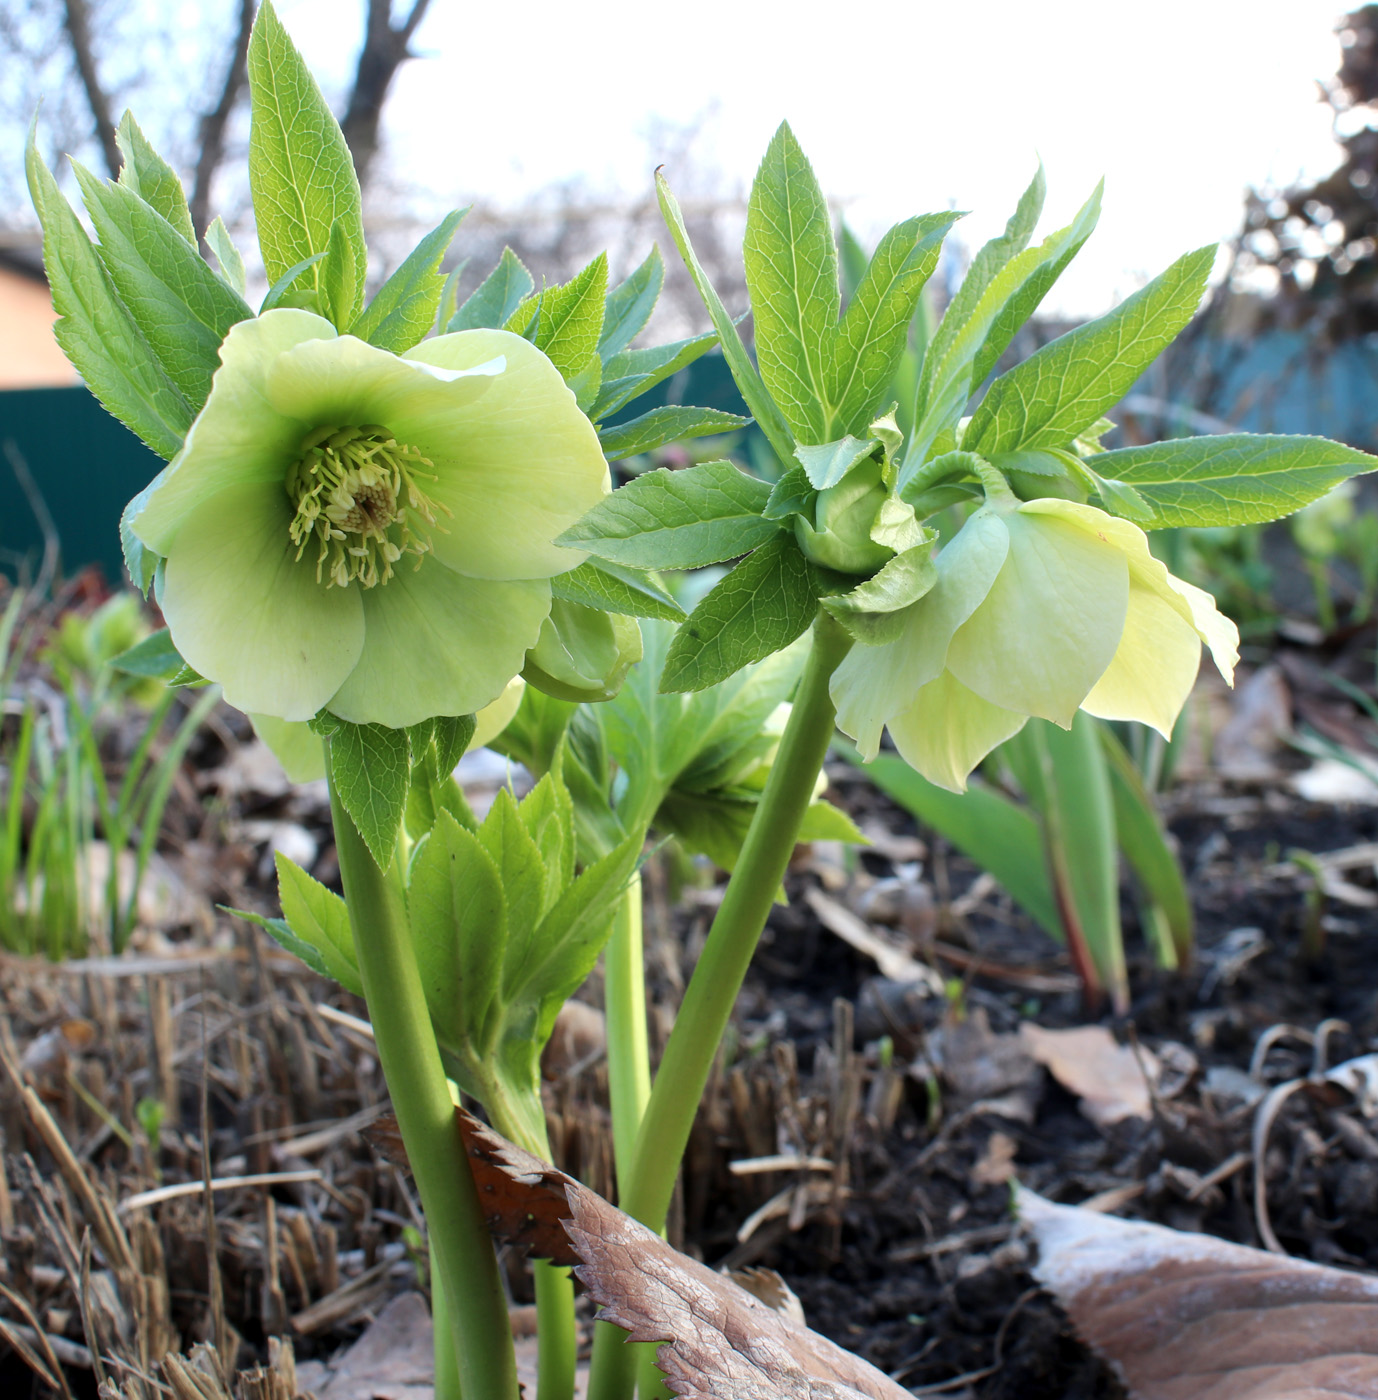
(903, 105)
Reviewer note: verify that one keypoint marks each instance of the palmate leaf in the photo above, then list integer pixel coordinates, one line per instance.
(183, 309)
(1068, 384)
(301, 174)
(150, 177)
(978, 320)
(95, 329)
(1233, 479)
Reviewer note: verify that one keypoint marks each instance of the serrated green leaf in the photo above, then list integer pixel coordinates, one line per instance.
(612, 588)
(95, 329)
(495, 298)
(792, 494)
(570, 318)
(154, 656)
(670, 423)
(565, 947)
(183, 309)
(630, 304)
(1068, 384)
(528, 887)
(335, 279)
(791, 275)
(677, 520)
(227, 257)
(964, 337)
(141, 562)
(827, 463)
(449, 296)
(401, 313)
(281, 933)
(150, 177)
(998, 835)
(301, 174)
(760, 607)
(1233, 479)
(319, 918)
(547, 812)
(459, 930)
(762, 407)
(436, 745)
(370, 769)
(868, 343)
(631, 373)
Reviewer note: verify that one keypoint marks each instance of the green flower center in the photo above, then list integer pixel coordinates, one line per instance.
(354, 491)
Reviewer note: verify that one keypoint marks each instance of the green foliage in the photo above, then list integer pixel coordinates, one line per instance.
(300, 171)
(370, 769)
(671, 423)
(182, 308)
(767, 601)
(566, 322)
(96, 330)
(404, 308)
(612, 588)
(146, 174)
(1233, 479)
(677, 520)
(1067, 385)
(630, 304)
(630, 373)
(496, 298)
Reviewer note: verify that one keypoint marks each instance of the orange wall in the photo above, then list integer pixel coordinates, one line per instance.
(29, 354)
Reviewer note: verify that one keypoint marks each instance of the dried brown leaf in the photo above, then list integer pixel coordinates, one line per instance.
(720, 1343)
(1190, 1317)
(1107, 1077)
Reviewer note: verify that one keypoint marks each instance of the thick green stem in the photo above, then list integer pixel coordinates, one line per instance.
(615, 1363)
(736, 930)
(520, 1117)
(446, 1362)
(470, 1284)
(624, 1004)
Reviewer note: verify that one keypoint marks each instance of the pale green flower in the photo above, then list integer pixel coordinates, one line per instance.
(371, 534)
(1040, 608)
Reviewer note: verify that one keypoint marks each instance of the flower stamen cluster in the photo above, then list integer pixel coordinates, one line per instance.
(355, 491)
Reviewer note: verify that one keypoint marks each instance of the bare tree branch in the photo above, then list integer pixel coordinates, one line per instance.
(385, 50)
(214, 122)
(79, 31)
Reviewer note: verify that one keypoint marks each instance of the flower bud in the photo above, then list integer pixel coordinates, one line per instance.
(582, 654)
(840, 537)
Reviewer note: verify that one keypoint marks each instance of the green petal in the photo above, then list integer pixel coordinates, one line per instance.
(517, 467)
(438, 643)
(1191, 603)
(240, 435)
(492, 719)
(949, 730)
(347, 381)
(295, 745)
(244, 612)
(1051, 622)
(873, 683)
(1154, 667)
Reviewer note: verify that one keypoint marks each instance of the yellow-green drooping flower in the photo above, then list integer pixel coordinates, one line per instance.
(1040, 608)
(349, 529)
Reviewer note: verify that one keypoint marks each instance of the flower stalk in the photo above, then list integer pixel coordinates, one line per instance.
(466, 1265)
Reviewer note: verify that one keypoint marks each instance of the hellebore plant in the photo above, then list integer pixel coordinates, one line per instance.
(378, 513)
